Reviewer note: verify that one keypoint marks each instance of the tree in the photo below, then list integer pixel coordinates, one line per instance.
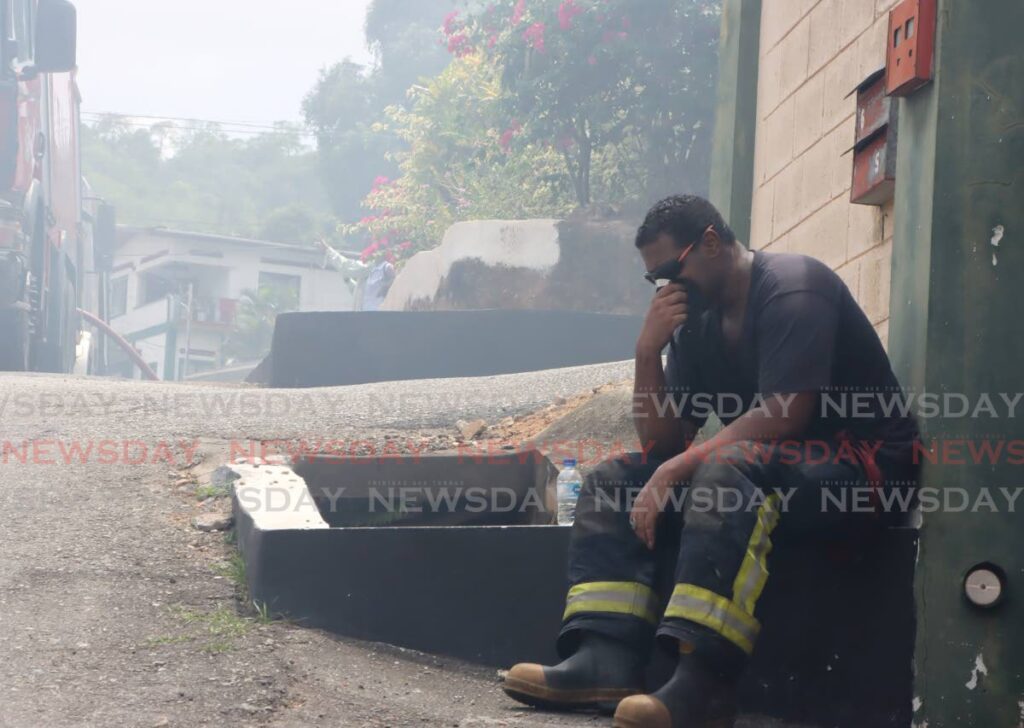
(202, 179)
(254, 323)
(591, 74)
(342, 109)
(349, 99)
(403, 36)
(457, 165)
(295, 223)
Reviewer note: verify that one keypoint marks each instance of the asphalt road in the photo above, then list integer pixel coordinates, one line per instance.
(114, 611)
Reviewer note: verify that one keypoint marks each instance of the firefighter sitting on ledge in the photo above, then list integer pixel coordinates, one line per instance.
(774, 331)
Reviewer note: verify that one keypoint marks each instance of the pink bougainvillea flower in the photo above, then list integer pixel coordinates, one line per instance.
(380, 181)
(368, 251)
(505, 141)
(450, 23)
(566, 12)
(492, 41)
(459, 45)
(592, 60)
(518, 12)
(405, 246)
(534, 35)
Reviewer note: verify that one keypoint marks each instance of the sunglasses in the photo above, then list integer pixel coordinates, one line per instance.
(669, 271)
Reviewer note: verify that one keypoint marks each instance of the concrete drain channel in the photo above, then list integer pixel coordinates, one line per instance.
(440, 553)
(453, 556)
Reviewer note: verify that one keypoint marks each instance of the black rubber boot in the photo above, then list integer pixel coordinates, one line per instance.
(695, 697)
(597, 676)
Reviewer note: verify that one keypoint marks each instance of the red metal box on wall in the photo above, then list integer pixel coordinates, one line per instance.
(874, 149)
(911, 46)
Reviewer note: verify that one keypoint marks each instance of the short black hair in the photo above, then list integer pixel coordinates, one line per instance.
(685, 218)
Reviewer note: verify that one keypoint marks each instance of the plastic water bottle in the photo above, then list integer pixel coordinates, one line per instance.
(569, 483)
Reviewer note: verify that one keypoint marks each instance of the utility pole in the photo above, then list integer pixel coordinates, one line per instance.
(188, 332)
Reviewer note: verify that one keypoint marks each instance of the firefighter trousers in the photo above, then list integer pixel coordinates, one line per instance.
(702, 582)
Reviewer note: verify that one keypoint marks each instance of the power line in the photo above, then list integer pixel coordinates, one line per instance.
(226, 130)
(254, 125)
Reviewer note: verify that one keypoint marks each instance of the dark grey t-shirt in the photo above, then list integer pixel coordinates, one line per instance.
(802, 332)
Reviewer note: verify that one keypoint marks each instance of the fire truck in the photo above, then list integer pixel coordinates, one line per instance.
(47, 261)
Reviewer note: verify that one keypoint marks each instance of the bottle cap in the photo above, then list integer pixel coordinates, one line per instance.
(569, 462)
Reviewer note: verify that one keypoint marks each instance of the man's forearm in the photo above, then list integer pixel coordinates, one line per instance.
(779, 420)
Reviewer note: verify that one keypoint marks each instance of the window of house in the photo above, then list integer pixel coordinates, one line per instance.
(118, 296)
(153, 287)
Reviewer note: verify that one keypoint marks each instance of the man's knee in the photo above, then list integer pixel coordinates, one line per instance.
(726, 482)
(612, 486)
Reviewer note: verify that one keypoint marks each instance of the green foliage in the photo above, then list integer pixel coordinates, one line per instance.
(342, 109)
(254, 324)
(403, 35)
(348, 99)
(547, 105)
(454, 166)
(293, 223)
(587, 75)
(206, 181)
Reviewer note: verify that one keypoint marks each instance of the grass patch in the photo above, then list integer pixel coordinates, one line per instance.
(211, 491)
(168, 640)
(262, 612)
(217, 630)
(218, 647)
(234, 571)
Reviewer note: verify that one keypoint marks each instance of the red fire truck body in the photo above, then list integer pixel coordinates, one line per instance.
(45, 246)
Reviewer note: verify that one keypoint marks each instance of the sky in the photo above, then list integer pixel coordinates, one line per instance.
(224, 60)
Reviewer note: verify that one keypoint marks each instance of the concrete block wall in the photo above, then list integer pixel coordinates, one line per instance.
(812, 54)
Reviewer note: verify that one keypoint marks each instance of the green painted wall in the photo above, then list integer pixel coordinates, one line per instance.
(732, 159)
(956, 327)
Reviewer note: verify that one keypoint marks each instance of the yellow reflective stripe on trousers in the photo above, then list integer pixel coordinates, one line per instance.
(715, 612)
(753, 574)
(615, 597)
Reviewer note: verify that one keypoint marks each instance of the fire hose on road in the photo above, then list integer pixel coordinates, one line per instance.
(102, 325)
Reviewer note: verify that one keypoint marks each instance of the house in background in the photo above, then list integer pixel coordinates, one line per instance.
(157, 273)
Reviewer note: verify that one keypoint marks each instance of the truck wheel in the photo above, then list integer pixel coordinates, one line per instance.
(14, 338)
